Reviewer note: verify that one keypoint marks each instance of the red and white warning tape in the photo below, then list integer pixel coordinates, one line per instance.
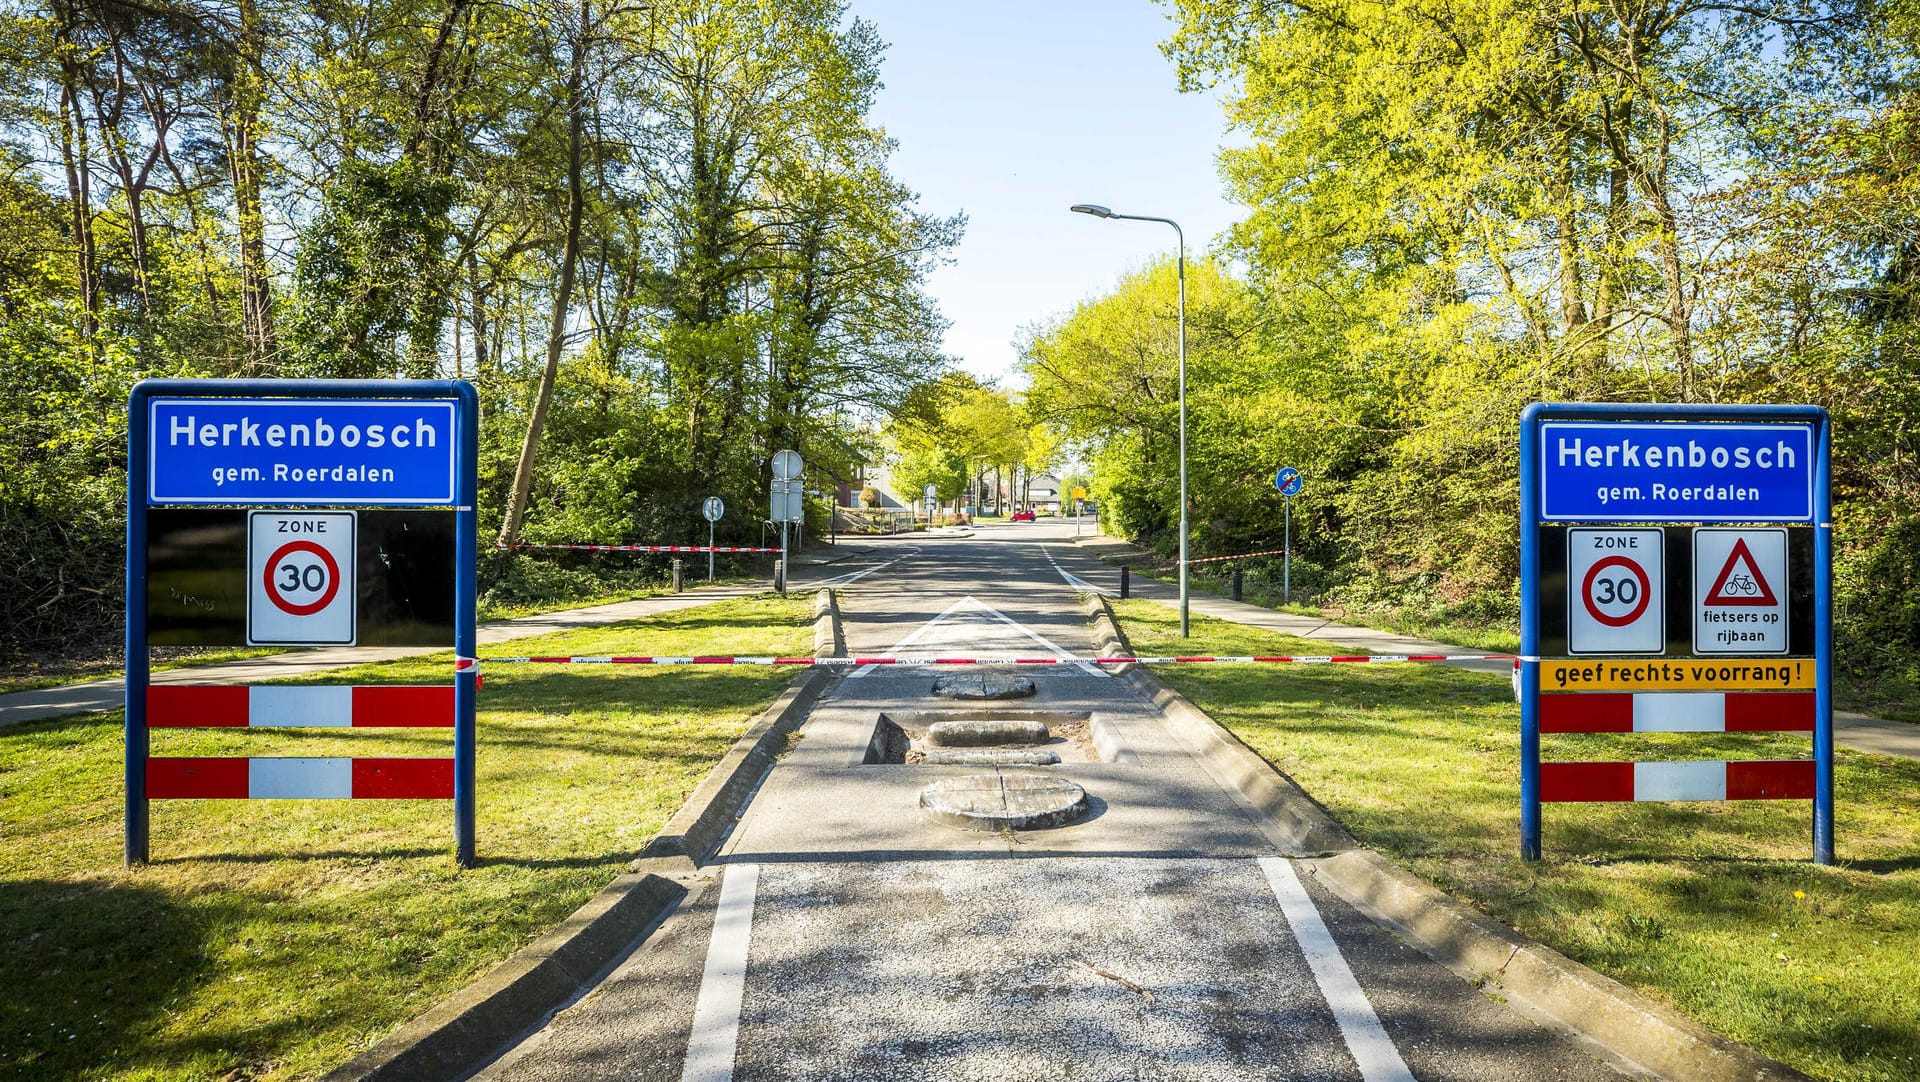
(638, 548)
(1241, 556)
(931, 660)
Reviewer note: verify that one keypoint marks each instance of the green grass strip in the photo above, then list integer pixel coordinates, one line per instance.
(274, 939)
(1710, 907)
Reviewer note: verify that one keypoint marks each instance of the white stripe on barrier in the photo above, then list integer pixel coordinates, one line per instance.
(1680, 781)
(308, 779)
(302, 707)
(1679, 712)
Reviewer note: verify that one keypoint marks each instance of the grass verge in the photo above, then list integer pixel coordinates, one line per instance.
(1712, 908)
(274, 939)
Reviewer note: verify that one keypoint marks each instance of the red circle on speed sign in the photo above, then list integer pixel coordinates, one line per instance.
(1586, 591)
(326, 596)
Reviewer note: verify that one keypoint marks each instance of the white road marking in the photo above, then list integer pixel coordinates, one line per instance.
(1366, 1038)
(852, 577)
(716, 1013)
(1072, 579)
(983, 607)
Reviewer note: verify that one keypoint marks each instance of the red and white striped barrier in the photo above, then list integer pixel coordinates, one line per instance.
(1241, 556)
(189, 706)
(299, 778)
(638, 548)
(1788, 779)
(931, 660)
(1678, 712)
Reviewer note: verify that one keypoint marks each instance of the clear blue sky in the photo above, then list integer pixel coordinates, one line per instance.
(1014, 111)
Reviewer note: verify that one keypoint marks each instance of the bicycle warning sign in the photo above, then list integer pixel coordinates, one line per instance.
(1615, 596)
(1740, 591)
(300, 578)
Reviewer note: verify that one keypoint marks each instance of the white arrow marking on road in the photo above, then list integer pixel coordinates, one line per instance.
(982, 607)
(1366, 1038)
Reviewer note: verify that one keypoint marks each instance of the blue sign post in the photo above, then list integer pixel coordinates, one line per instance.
(1289, 483)
(1676, 592)
(301, 444)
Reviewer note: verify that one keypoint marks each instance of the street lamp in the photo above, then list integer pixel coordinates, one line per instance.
(1180, 266)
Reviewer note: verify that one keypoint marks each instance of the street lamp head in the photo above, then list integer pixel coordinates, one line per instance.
(1094, 209)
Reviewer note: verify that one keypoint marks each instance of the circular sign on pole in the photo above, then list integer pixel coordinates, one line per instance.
(930, 492)
(787, 466)
(301, 578)
(712, 508)
(1289, 481)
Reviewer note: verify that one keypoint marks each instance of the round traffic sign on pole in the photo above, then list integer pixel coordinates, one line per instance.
(1289, 481)
(1616, 597)
(787, 466)
(712, 508)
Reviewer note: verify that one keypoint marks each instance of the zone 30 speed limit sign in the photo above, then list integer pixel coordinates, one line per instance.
(300, 578)
(1615, 592)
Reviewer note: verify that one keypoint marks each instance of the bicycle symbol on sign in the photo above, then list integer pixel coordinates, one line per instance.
(1742, 585)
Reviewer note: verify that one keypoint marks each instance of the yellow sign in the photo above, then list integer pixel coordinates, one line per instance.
(1684, 675)
(1079, 493)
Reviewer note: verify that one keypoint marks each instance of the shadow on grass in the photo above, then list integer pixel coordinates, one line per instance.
(89, 966)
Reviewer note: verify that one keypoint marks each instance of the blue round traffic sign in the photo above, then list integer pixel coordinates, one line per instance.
(1289, 481)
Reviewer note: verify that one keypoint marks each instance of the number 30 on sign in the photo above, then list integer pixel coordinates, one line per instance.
(300, 578)
(1615, 591)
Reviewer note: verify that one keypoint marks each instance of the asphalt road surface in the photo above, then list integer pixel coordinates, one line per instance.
(844, 935)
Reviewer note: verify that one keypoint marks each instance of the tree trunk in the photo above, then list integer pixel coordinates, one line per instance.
(75, 156)
(563, 293)
(247, 97)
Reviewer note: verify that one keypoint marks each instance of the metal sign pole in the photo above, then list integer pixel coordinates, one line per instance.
(466, 637)
(709, 550)
(136, 631)
(1286, 553)
(1530, 633)
(783, 557)
(1823, 643)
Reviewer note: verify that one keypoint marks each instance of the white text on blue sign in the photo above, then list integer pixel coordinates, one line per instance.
(301, 451)
(1676, 472)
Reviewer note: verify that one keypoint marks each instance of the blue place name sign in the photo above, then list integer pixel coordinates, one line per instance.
(300, 451)
(1620, 471)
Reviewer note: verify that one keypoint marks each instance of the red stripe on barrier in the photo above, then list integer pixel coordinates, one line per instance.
(403, 707)
(1769, 711)
(1605, 712)
(197, 779)
(193, 706)
(1790, 779)
(793, 661)
(1570, 782)
(403, 779)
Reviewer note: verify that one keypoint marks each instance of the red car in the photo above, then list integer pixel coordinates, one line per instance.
(1020, 516)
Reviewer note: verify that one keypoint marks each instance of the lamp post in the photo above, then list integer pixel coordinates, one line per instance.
(1180, 270)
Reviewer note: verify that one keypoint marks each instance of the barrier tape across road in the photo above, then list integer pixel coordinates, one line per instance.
(931, 660)
(1241, 556)
(638, 548)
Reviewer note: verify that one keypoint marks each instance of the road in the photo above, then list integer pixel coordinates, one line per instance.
(843, 935)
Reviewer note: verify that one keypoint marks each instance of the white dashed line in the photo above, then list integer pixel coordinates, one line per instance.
(1072, 579)
(716, 1014)
(1366, 1038)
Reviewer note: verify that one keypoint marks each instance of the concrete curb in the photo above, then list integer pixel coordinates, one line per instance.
(470, 1028)
(1629, 1027)
(1295, 820)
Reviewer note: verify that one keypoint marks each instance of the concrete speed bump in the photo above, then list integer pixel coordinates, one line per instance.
(991, 757)
(983, 685)
(1004, 802)
(987, 733)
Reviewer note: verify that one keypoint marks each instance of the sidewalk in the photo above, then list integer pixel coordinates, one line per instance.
(1861, 732)
(96, 695)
